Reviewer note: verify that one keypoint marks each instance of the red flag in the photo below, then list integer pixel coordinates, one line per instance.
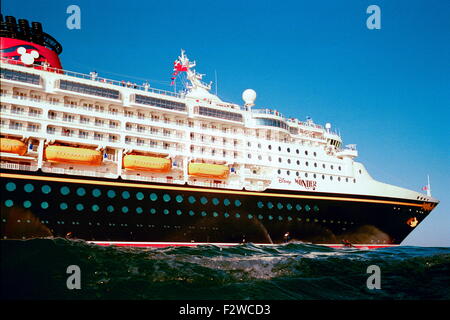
(425, 188)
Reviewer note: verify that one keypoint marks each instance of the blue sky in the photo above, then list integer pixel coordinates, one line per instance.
(387, 90)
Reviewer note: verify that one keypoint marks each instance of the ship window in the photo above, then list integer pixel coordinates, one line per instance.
(64, 191)
(288, 172)
(10, 186)
(289, 206)
(297, 151)
(44, 205)
(81, 192)
(9, 203)
(260, 204)
(80, 207)
(269, 205)
(226, 202)
(306, 152)
(289, 161)
(215, 201)
(179, 198)
(315, 154)
(260, 217)
(297, 173)
(279, 160)
(166, 211)
(339, 168)
(63, 206)
(111, 194)
(307, 208)
(110, 208)
(179, 212)
(306, 174)
(279, 171)
(238, 215)
(298, 162)
(27, 204)
(271, 123)
(153, 197)
(210, 112)
(152, 210)
(95, 208)
(279, 206)
(203, 200)
(160, 103)
(288, 150)
(88, 89)
(298, 207)
(191, 200)
(166, 197)
(306, 163)
(19, 76)
(215, 214)
(139, 196)
(237, 203)
(191, 213)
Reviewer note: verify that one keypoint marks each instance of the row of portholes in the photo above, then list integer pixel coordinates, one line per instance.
(270, 217)
(80, 191)
(288, 206)
(124, 209)
(314, 175)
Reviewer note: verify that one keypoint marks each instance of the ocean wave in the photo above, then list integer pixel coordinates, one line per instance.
(36, 269)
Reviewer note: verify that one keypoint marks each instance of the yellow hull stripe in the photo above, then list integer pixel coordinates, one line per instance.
(208, 190)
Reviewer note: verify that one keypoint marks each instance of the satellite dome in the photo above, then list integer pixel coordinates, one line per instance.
(249, 96)
(328, 125)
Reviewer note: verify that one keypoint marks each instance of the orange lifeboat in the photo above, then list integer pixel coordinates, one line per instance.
(146, 163)
(208, 170)
(13, 146)
(73, 155)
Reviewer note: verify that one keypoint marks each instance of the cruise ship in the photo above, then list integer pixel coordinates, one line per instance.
(117, 163)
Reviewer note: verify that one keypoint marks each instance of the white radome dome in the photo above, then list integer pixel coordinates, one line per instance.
(328, 125)
(249, 96)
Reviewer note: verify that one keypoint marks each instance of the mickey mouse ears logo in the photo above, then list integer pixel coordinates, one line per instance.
(27, 58)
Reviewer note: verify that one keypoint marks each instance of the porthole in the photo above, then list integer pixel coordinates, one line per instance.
(331, 177)
(260, 217)
(279, 206)
(139, 196)
(249, 216)
(139, 210)
(125, 195)
(226, 202)
(323, 165)
(280, 218)
(166, 197)
(152, 210)
(298, 162)
(323, 177)
(203, 200)
(316, 208)
(306, 163)
(315, 154)
(270, 217)
(339, 178)
(27, 204)
(339, 168)
(179, 198)
(298, 207)
(288, 150)
(111, 194)
(279, 148)
(28, 188)
(269, 205)
(306, 152)
(96, 193)
(237, 215)
(288, 172)
(314, 175)
(307, 208)
(153, 196)
(279, 160)
(331, 167)
(46, 189)
(215, 201)
(179, 212)
(306, 174)
(110, 208)
(64, 190)
(237, 203)
(166, 211)
(11, 186)
(203, 214)
(79, 207)
(81, 192)
(297, 151)
(44, 205)
(289, 161)
(63, 206)
(95, 208)
(297, 173)
(191, 213)
(215, 214)
(279, 171)
(191, 199)
(226, 214)
(9, 203)
(260, 204)
(289, 206)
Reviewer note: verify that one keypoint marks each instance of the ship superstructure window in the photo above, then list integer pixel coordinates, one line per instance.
(271, 123)
(87, 89)
(210, 112)
(19, 76)
(160, 103)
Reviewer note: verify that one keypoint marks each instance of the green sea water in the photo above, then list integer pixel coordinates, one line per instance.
(37, 269)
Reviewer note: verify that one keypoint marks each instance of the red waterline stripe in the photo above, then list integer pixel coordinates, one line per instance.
(193, 244)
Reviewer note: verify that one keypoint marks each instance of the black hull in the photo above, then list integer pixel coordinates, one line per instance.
(36, 204)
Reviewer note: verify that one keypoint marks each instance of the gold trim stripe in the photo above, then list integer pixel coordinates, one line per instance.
(233, 192)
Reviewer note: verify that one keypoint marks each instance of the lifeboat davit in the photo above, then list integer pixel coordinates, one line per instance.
(13, 146)
(146, 163)
(73, 155)
(208, 170)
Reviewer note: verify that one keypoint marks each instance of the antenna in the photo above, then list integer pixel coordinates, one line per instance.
(215, 75)
(428, 186)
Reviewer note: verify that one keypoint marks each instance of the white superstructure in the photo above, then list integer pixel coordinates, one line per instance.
(261, 148)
